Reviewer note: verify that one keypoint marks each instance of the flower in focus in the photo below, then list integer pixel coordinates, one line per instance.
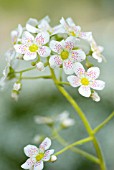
(96, 51)
(65, 54)
(74, 30)
(86, 80)
(31, 46)
(37, 156)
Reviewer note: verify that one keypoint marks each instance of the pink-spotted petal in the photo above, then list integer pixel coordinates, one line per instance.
(68, 66)
(79, 69)
(55, 61)
(28, 164)
(44, 51)
(56, 46)
(74, 81)
(20, 48)
(98, 85)
(27, 38)
(47, 155)
(69, 44)
(29, 56)
(30, 150)
(42, 38)
(39, 165)
(93, 72)
(84, 91)
(45, 144)
(77, 55)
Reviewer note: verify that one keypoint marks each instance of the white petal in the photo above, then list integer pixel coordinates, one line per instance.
(55, 61)
(64, 23)
(69, 43)
(70, 22)
(42, 38)
(14, 35)
(30, 150)
(27, 38)
(45, 144)
(77, 55)
(56, 46)
(58, 29)
(86, 36)
(20, 48)
(44, 51)
(98, 85)
(47, 155)
(93, 72)
(39, 165)
(85, 91)
(74, 81)
(79, 69)
(20, 30)
(31, 25)
(95, 96)
(30, 56)
(97, 56)
(28, 164)
(68, 66)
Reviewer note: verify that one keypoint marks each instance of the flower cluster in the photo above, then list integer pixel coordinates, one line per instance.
(61, 47)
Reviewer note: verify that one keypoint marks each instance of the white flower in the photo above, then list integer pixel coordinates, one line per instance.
(16, 34)
(37, 155)
(31, 46)
(95, 96)
(40, 66)
(38, 138)
(43, 120)
(64, 54)
(15, 95)
(74, 30)
(53, 158)
(96, 51)
(17, 86)
(86, 80)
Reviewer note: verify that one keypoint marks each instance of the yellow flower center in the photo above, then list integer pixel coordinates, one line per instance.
(72, 33)
(84, 81)
(33, 48)
(64, 55)
(39, 156)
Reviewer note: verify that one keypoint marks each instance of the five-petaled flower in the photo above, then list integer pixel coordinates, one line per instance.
(65, 54)
(37, 155)
(86, 80)
(32, 45)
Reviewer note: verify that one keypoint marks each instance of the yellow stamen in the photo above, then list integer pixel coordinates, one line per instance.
(84, 81)
(64, 55)
(39, 156)
(33, 48)
(72, 33)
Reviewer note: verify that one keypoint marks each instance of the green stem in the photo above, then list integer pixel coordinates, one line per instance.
(77, 150)
(37, 77)
(80, 142)
(83, 118)
(98, 128)
(25, 70)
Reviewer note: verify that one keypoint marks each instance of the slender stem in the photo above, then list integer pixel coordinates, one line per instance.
(99, 127)
(25, 70)
(37, 77)
(64, 83)
(83, 118)
(77, 150)
(80, 142)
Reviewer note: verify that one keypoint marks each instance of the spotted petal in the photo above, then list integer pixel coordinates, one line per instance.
(39, 165)
(47, 155)
(44, 51)
(29, 56)
(98, 85)
(27, 38)
(77, 55)
(69, 44)
(56, 46)
(68, 66)
(85, 91)
(28, 164)
(93, 72)
(55, 61)
(74, 81)
(45, 144)
(20, 48)
(42, 38)
(79, 69)
(30, 150)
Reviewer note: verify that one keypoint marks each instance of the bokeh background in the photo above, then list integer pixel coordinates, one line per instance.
(17, 127)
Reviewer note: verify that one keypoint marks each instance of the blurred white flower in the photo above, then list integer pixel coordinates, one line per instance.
(43, 120)
(16, 34)
(38, 138)
(86, 80)
(65, 54)
(53, 158)
(17, 86)
(37, 156)
(95, 96)
(40, 66)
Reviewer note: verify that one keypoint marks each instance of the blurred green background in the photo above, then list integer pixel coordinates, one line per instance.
(17, 127)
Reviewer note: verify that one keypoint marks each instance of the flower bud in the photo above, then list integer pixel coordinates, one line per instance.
(40, 66)
(67, 123)
(95, 96)
(17, 86)
(53, 158)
